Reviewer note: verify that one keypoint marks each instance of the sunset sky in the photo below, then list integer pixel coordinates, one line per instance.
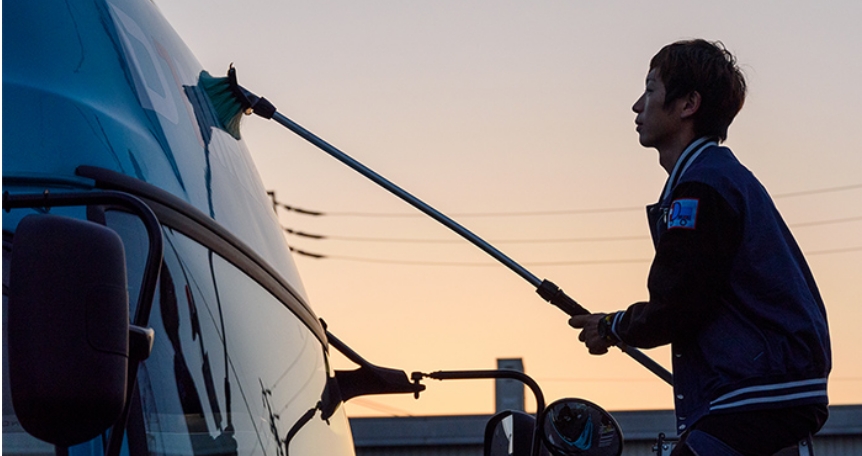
(514, 118)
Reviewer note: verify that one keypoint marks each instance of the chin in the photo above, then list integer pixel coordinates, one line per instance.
(645, 141)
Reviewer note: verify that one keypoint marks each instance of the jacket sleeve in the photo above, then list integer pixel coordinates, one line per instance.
(690, 272)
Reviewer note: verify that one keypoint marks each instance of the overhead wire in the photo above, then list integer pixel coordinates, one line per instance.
(529, 241)
(527, 263)
(278, 204)
(379, 407)
(459, 241)
(601, 210)
(644, 379)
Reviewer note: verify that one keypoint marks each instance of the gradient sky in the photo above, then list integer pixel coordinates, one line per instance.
(515, 119)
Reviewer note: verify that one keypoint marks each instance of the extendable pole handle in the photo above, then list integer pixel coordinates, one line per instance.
(546, 289)
(551, 293)
(647, 362)
(556, 296)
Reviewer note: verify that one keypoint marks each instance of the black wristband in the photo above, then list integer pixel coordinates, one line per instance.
(604, 328)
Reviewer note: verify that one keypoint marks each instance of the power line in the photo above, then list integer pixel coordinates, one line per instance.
(534, 263)
(308, 254)
(816, 191)
(601, 210)
(529, 241)
(645, 379)
(833, 251)
(533, 213)
(306, 235)
(826, 222)
(597, 380)
(299, 210)
(537, 241)
(376, 406)
(276, 204)
(461, 241)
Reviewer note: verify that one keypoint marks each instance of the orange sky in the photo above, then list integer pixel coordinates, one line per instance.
(513, 118)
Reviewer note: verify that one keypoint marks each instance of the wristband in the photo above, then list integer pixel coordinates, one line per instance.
(604, 329)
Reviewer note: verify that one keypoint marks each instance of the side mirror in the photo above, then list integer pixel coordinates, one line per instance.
(578, 427)
(68, 332)
(510, 433)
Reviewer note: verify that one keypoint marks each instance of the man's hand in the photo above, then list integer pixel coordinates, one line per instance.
(589, 325)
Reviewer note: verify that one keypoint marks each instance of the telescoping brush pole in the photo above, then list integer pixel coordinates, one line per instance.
(232, 101)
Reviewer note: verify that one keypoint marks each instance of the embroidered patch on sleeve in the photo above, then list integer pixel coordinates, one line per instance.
(683, 214)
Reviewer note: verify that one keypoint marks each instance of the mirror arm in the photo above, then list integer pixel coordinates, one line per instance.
(369, 379)
(496, 374)
(140, 342)
(490, 374)
(47, 199)
(343, 348)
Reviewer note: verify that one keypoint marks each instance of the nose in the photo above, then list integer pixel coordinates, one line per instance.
(638, 107)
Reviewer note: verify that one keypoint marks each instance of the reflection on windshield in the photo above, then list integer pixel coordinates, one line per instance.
(216, 326)
(201, 441)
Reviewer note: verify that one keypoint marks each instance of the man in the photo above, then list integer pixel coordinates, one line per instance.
(729, 288)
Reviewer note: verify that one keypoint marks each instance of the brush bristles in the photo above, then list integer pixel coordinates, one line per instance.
(228, 108)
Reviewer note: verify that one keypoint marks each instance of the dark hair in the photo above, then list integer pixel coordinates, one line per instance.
(709, 69)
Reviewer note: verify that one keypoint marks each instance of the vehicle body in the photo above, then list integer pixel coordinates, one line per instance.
(104, 95)
(150, 303)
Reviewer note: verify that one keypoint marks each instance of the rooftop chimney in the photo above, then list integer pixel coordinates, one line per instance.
(509, 393)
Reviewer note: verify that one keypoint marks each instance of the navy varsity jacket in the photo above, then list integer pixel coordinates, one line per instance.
(731, 292)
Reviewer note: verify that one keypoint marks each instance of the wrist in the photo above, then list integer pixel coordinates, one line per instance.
(605, 329)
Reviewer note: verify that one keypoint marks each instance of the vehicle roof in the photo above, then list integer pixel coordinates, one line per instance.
(110, 84)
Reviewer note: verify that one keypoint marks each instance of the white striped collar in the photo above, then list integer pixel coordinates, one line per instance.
(685, 159)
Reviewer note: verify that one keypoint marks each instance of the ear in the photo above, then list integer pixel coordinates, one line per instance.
(691, 104)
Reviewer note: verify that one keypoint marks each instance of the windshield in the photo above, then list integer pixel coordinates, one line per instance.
(232, 370)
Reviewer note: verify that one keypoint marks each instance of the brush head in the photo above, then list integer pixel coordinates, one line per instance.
(227, 99)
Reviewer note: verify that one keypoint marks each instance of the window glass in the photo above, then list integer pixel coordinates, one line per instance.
(184, 402)
(136, 245)
(232, 368)
(232, 372)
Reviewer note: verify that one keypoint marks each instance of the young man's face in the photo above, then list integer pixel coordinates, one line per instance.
(657, 126)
